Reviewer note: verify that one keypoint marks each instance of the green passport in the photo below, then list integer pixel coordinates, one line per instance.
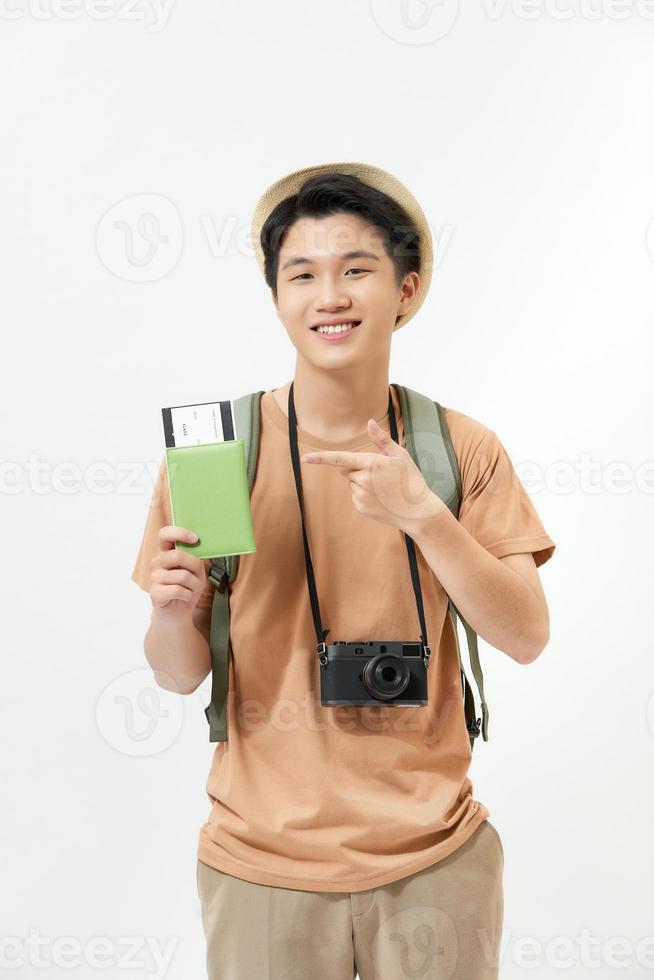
(207, 479)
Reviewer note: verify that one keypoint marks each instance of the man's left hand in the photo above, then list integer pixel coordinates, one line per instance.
(386, 486)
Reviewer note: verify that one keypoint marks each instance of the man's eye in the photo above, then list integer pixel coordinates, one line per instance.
(308, 273)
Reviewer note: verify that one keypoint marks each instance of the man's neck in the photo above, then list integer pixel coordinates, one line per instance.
(335, 406)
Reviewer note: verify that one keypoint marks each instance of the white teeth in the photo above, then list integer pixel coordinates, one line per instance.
(337, 328)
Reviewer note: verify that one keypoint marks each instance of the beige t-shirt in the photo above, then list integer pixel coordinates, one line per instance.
(345, 798)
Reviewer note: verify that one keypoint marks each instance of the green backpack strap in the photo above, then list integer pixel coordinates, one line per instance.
(247, 412)
(429, 444)
(472, 722)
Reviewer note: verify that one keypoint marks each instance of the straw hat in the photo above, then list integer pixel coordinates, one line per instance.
(380, 179)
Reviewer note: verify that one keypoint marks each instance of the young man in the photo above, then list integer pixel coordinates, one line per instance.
(345, 839)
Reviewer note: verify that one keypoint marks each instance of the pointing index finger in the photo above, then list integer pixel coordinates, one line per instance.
(334, 457)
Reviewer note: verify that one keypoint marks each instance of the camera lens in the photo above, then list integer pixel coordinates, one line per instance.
(385, 676)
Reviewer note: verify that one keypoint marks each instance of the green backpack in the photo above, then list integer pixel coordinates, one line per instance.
(428, 443)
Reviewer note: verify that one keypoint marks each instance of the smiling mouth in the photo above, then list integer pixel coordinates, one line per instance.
(350, 324)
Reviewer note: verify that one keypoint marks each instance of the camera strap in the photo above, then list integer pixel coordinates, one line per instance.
(311, 582)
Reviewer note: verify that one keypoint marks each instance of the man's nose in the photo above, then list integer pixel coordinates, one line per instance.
(332, 293)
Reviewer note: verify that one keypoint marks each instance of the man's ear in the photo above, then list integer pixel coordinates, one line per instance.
(409, 290)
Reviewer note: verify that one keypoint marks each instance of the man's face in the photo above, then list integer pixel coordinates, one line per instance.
(323, 275)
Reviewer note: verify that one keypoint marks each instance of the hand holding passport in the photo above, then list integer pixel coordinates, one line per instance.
(207, 479)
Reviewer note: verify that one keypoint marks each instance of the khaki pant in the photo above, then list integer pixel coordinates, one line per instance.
(441, 923)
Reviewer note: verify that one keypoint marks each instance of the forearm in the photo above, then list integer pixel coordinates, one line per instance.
(497, 603)
(179, 655)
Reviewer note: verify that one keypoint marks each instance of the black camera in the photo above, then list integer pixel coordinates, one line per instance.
(372, 672)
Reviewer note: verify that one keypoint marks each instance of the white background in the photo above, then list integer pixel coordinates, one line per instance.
(526, 133)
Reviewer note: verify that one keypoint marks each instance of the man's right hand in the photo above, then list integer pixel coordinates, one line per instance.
(177, 578)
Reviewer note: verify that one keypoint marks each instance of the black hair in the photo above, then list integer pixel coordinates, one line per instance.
(334, 193)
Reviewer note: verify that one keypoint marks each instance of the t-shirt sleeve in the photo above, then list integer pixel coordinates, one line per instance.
(159, 515)
(495, 506)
